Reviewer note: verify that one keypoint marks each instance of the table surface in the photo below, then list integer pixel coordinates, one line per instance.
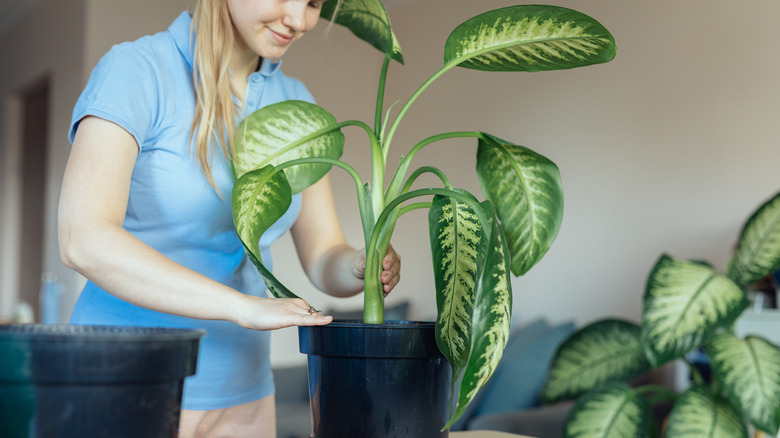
(484, 434)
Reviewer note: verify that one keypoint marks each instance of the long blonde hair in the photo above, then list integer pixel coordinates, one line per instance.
(215, 110)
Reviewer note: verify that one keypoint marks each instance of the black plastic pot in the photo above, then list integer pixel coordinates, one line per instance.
(93, 381)
(369, 380)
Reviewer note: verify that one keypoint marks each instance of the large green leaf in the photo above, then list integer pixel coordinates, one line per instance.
(612, 411)
(758, 249)
(529, 38)
(605, 351)
(684, 304)
(749, 372)
(458, 249)
(368, 20)
(490, 324)
(266, 136)
(696, 414)
(275, 286)
(259, 199)
(526, 189)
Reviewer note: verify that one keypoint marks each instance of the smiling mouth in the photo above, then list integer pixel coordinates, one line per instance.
(280, 37)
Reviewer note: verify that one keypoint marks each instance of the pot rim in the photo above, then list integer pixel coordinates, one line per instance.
(95, 333)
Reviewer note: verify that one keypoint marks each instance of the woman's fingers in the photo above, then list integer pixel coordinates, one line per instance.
(276, 313)
(391, 273)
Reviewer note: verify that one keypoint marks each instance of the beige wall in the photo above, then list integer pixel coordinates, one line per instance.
(666, 149)
(48, 40)
(65, 39)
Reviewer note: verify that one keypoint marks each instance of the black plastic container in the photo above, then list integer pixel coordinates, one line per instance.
(93, 381)
(368, 380)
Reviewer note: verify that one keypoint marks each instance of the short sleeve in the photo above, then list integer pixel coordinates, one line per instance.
(121, 89)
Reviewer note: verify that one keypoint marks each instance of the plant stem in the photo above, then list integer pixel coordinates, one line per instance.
(395, 184)
(380, 98)
(363, 205)
(377, 176)
(417, 205)
(426, 169)
(373, 297)
(414, 97)
(377, 169)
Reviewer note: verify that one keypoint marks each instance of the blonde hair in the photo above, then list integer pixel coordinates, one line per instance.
(215, 109)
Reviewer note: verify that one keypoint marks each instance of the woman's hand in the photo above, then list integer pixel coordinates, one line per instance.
(391, 268)
(275, 313)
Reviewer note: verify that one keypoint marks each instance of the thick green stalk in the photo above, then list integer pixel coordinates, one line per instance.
(380, 98)
(373, 296)
(416, 206)
(377, 176)
(388, 140)
(363, 205)
(426, 169)
(386, 231)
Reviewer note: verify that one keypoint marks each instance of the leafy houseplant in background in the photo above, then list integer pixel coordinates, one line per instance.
(687, 305)
(283, 148)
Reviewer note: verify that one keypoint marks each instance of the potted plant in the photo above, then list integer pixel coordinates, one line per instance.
(283, 148)
(688, 306)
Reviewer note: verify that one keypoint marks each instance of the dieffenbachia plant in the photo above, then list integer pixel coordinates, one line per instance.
(688, 305)
(283, 148)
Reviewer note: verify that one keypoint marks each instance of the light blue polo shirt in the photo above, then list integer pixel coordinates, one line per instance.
(146, 87)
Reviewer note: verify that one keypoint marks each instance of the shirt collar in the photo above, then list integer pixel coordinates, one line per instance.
(270, 67)
(184, 37)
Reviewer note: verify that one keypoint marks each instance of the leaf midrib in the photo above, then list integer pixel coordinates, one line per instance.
(627, 396)
(754, 251)
(526, 187)
(385, 23)
(694, 298)
(595, 360)
(759, 371)
(456, 243)
(497, 47)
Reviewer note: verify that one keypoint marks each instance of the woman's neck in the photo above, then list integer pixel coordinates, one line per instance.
(243, 64)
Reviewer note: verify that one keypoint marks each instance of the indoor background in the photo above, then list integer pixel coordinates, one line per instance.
(666, 149)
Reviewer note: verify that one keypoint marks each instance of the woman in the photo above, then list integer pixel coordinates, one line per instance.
(145, 206)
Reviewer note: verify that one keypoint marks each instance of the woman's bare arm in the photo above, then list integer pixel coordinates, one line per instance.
(92, 241)
(333, 265)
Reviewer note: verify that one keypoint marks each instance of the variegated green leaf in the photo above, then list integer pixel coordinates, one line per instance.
(696, 413)
(259, 199)
(758, 249)
(458, 249)
(749, 372)
(266, 135)
(529, 38)
(526, 189)
(612, 411)
(368, 20)
(684, 304)
(490, 324)
(605, 351)
(275, 286)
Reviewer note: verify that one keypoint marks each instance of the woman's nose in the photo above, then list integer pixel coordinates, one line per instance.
(295, 15)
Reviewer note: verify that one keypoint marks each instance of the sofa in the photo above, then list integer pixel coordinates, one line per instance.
(508, 403)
